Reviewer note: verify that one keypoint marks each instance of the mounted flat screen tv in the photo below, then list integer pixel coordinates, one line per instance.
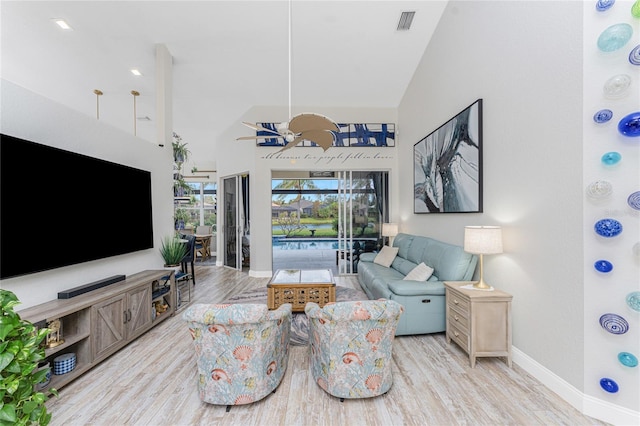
(59, 208)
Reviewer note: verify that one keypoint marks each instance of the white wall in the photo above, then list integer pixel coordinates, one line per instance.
(525, 60)
(531, 160)
(605, 293)
(30, 116)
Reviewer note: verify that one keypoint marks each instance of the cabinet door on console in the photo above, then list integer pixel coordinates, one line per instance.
(139, 311)
(109, 320)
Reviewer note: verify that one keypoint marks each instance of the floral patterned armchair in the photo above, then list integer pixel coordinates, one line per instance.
(350, 345)
(242, 350)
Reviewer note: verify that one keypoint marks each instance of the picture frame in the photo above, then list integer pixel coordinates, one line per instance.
(374, 135)
(447, 165)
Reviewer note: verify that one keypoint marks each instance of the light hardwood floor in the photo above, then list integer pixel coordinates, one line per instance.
(152, 381)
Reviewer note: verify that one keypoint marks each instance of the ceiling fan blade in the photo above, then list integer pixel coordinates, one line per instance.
(293, 143)
(260, 128)
(310, 121)
(324, 138)
(247, 138)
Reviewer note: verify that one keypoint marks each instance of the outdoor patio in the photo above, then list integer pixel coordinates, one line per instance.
(305, 259)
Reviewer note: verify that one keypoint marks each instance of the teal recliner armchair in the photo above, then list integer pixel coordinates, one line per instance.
(423, 301)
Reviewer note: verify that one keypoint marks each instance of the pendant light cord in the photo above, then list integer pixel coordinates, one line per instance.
(290, 47)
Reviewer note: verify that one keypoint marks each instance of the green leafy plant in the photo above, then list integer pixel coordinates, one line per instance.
(180, 151)
(172, 251)
(20, 353)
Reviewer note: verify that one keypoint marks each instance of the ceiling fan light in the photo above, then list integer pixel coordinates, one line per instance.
(289, 137)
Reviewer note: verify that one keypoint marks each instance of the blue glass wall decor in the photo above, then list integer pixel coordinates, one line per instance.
(630, 125)
(614, 37)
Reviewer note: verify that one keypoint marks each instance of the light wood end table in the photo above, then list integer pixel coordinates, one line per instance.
(479, 321)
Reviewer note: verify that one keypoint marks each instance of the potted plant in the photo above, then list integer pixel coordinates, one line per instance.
(180, 151)
(180, 187)
(181, 218)
(20, 353)
(173, 251)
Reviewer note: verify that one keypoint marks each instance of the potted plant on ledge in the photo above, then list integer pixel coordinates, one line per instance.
(173, 251)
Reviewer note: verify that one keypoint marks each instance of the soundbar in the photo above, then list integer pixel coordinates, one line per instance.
(77, 291)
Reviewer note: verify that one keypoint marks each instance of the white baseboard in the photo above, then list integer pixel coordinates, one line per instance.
(260, 274)
(586, 404)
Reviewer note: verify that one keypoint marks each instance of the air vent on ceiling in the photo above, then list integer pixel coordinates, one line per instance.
(406, 18)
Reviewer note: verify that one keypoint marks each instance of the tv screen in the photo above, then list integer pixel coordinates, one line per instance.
(59, 208)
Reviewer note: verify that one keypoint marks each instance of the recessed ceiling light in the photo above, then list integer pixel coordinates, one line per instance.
(62, 24)
(135, 71)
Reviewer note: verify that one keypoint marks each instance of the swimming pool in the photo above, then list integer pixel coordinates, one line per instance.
(280, 243)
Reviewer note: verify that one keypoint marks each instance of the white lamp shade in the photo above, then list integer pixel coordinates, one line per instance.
(389, 229)
(483, 239)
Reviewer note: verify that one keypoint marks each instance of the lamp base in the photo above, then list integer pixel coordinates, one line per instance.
(481, 285)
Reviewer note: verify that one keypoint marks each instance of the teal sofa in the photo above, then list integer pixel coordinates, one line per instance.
(423, 301)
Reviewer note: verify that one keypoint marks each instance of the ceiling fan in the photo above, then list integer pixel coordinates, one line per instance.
(306, 126)
(312, 127)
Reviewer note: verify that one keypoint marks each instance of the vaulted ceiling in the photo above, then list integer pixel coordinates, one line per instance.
(228, 56)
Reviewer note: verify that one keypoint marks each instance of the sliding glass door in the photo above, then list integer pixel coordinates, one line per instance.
(332, 215)
(363, 208)
(235, 214)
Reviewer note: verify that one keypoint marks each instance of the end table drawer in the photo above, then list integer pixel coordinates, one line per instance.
(459, 319)
(458, 301)
(459, 336)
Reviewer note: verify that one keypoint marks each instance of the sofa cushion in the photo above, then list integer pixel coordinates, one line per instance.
(368, 257)
(421, 272)
(386, 256)
(402, 265)
(450, 262)
(403, 242)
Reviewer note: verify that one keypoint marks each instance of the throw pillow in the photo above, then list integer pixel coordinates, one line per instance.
(386, 256)
(421, 272)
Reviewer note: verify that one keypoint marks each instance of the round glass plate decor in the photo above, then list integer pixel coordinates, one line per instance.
(609, 385)
(599, 189)
(630, 125)
(614, 37)
(627, 359)
(608, 228)
(634, 200)
(635, 9)
(633, 300)
(614, 323)
(634, 55)
(617, 86)
(603, 266)
(611, 158)
(603, 116)
(602, 5)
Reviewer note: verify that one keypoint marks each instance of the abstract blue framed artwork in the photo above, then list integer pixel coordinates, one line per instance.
(353, 135)
(447, 166)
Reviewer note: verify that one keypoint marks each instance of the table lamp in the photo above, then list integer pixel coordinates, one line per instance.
(390, 230)
(482, 240)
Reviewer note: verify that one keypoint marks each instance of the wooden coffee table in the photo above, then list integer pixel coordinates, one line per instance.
(300, 286)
